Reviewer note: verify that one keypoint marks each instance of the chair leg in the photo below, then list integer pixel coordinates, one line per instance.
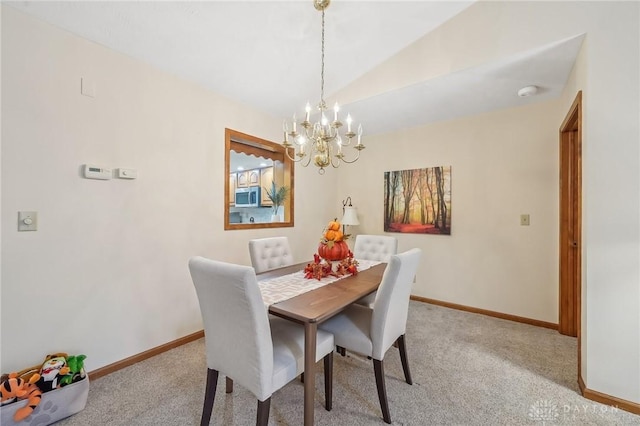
(263, 412)
(340, 350)
(378, 368)
(328, 381)
(209, 396)
(402, 347)
(302, 377)
(229, 384)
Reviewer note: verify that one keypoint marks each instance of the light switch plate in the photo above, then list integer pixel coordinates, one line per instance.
(524, 220)
(27, 221)
(87, 87)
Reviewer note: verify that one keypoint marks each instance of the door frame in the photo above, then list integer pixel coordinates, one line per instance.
(570, 217)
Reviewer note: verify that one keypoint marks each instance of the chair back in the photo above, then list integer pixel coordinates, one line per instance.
(391, 306)
(236, 325)
(375, 247)
(270, 253)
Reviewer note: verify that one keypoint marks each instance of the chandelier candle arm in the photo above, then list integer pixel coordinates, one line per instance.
(323, 135)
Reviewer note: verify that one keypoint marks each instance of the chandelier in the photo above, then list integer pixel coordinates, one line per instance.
(321, 141)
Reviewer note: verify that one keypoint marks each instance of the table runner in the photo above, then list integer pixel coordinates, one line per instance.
(277, 289)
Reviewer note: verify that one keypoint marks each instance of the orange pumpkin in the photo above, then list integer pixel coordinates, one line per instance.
(337, 251)
(333, 226)
(332, 235)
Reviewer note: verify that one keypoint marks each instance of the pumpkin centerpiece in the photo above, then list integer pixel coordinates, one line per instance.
(332, 248)
(332, 245)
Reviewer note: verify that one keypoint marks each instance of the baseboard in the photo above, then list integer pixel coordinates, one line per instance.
(108, 369)
(603, 398)
(500, 315)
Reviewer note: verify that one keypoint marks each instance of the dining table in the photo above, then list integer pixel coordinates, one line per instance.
(315, 305)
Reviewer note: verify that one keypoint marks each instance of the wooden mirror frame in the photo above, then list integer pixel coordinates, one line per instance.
(252, 145)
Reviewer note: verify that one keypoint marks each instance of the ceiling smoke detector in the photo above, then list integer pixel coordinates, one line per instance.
(528, 91)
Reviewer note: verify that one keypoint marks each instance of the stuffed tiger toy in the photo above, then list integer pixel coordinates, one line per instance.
(16, 388)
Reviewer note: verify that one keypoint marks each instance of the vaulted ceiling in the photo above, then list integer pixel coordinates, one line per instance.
(266, 54)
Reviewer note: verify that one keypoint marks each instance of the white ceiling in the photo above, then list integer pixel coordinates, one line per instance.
(267, 53)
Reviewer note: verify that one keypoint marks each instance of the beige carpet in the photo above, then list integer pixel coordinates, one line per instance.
(468, 369)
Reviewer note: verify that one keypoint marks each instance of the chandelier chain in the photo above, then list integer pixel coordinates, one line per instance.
(322, 68)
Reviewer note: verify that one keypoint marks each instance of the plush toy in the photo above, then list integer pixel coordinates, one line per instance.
(24, 374)
(52, 370)
(76, 369)
(15, 388)
(9, 389)
(28, 372)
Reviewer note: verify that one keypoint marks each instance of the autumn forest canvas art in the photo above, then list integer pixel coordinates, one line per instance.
(418, 201)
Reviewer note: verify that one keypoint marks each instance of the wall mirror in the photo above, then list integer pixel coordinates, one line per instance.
(252, 166)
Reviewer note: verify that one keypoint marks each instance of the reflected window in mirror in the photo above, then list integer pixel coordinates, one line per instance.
(254, 168)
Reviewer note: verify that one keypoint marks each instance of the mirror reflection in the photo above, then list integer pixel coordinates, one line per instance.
(259, 187)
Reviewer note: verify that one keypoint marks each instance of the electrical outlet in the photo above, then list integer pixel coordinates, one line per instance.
(524, 220)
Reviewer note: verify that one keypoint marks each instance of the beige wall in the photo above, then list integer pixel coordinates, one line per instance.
(106, 273)
(503, 164)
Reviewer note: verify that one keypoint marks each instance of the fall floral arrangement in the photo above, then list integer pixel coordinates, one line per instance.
(332, 247)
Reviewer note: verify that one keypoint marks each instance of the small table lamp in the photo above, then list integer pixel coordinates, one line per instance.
(349, 214)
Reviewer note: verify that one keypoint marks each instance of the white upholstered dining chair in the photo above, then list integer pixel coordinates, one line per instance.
(371, 332)
(260, 353)
(374, 247)
(270, 253)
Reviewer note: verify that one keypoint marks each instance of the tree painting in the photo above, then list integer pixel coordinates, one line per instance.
(418, 201)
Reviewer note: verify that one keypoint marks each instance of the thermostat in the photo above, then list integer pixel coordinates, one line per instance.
(95, 172)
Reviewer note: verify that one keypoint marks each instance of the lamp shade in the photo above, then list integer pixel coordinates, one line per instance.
(350, 216)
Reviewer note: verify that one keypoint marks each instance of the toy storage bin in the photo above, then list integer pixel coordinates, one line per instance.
(55, 405)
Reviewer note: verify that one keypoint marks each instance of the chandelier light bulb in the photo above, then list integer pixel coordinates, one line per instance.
(301, 141)
(307, 110)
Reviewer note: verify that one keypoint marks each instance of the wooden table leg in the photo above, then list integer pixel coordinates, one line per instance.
(310, 335)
